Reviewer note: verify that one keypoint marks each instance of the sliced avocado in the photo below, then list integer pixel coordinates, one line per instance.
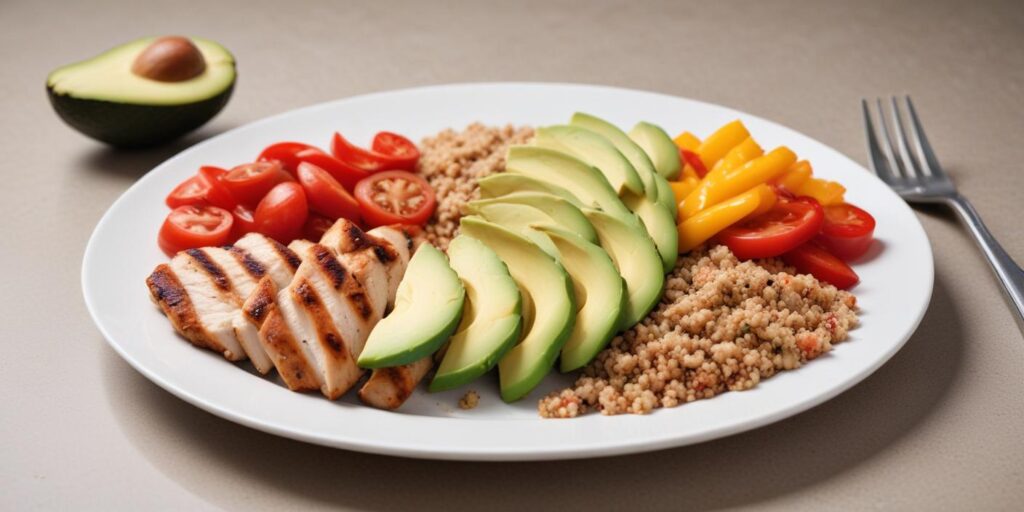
(667, 198)
(600, 296)
(582, 180)
(595, 150)
(505, 183)
(637, 260)
(659, 147)
(625, 145)
(491, 316)
(517, 218)
(548, 309)
(660, 226)
(104, 98)
(558, 210)
(427, 310)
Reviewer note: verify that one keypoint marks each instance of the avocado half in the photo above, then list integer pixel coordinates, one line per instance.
(102, 98)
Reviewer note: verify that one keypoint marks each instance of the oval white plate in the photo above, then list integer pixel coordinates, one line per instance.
(894, 291)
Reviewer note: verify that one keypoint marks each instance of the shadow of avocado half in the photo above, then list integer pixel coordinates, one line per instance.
(145, 92)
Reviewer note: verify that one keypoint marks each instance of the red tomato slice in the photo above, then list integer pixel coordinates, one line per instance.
(244, 222)
(367, 160)
(218, 193)
(395, 197)
(286, 153)
(282, 212)
(848, 231)
(250, 182)
(189, 192)
(811, 258)
(315, 227)
(325, 195)
(788, 224)
(190, 226)
(694, 160)
(396, 146)
(346, 174)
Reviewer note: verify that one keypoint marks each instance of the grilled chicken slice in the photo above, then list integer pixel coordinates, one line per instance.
(389, 388)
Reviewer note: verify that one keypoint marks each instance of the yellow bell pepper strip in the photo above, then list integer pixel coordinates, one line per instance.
(743, 152)
(719, 143)
(682, 188)
(795, 176)
(768, 200)
(717, 188)
(825, 191)
(708, 223)
(687, 141)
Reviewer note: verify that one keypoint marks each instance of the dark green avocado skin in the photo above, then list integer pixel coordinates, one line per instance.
(129, 125)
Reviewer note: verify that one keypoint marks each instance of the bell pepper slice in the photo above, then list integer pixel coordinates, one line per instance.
(714, 189)
(707, 223)
(719, 143)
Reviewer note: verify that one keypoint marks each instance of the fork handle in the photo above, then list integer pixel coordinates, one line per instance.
(1011, 276)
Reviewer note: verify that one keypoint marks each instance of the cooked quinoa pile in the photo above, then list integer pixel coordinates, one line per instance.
(722, 325)
(452, 162)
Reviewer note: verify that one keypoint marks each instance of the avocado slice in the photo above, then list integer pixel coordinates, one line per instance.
(595, 150)
(427, 309)
(636, 156)
(600, 296)
(659, 147)
(667, 198)
(517, 218)
(556, 209)
(582, 180)
(502, 184)
(549, 311)
(637, 260)
(104, 99)
(659, 225)
(491, 316)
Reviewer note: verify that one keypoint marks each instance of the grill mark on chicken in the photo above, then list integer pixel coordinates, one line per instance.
(283, 349)
(361, 303)
(287, 254)
(341, 370)
(376, 390)
(330, 265)
(253, 267)
(171, 296)
(384, 254)
(357, 237)
(257, 305)
(211, 268)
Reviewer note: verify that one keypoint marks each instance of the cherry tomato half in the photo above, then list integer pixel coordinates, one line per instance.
(346, 174)
(365, 159)
(189, 192)
(395, 197)
(325, 195)
(315, 227)
(848, 231)
(788, 224)
(396, 146)
(811, 258)
(191, 226)
(693, 159)
(244, 222)
(282, 212)
(248, 183)
(285, 153)
(217, 192)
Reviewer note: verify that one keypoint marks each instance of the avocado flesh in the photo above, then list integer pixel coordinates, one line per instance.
(491, 316)
(103, 99)
(519, 219)
(637, 261)
(427, 309)
(599, 292)
(556, 209)
(636, 156)
(595, 150)
(548, 309)
(660, 226)
(667, 198)
(506, 183)
(659, 147)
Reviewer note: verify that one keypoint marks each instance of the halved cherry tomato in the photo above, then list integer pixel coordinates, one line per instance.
(248, 183)
(190, 226)
(394, 145)
(811, 258)
(395, 197)
(788, 224)
(365, 159)
(218, 193)
(847, 232)
(325, 195)
(346, 174)
(693, 159)
(282, 212)
(189, 192)
(285, 152)
(244, 222)
(315, 227)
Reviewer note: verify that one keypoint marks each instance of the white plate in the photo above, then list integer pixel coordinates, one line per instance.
(893, 294)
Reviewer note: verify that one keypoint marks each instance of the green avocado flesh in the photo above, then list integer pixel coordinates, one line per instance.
(556, 211)
(506, 183)
(491, 319)
(659, 147)
(102, 98)
(548, 308)
(660, 226)
(637, 260)
(518, 218)
(599, 292)
(636, 156)
(427, 309)
(595, 150)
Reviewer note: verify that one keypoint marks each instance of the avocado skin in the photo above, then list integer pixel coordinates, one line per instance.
(132, 125)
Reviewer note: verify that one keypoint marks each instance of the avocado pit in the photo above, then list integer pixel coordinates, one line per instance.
(170, 59)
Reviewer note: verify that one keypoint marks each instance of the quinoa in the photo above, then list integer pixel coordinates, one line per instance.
(452, 162)
(470, 400)
(722, 325)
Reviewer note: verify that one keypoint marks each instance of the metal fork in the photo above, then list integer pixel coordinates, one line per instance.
(917, 177)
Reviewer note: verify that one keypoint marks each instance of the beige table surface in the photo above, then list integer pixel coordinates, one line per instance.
(941, 426)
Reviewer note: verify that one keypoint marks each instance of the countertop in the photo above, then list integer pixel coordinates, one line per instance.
(939, 427)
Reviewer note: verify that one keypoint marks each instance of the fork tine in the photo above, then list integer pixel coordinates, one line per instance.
(878, 162)
(910, 165)
(924, 150)
(894, 164)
